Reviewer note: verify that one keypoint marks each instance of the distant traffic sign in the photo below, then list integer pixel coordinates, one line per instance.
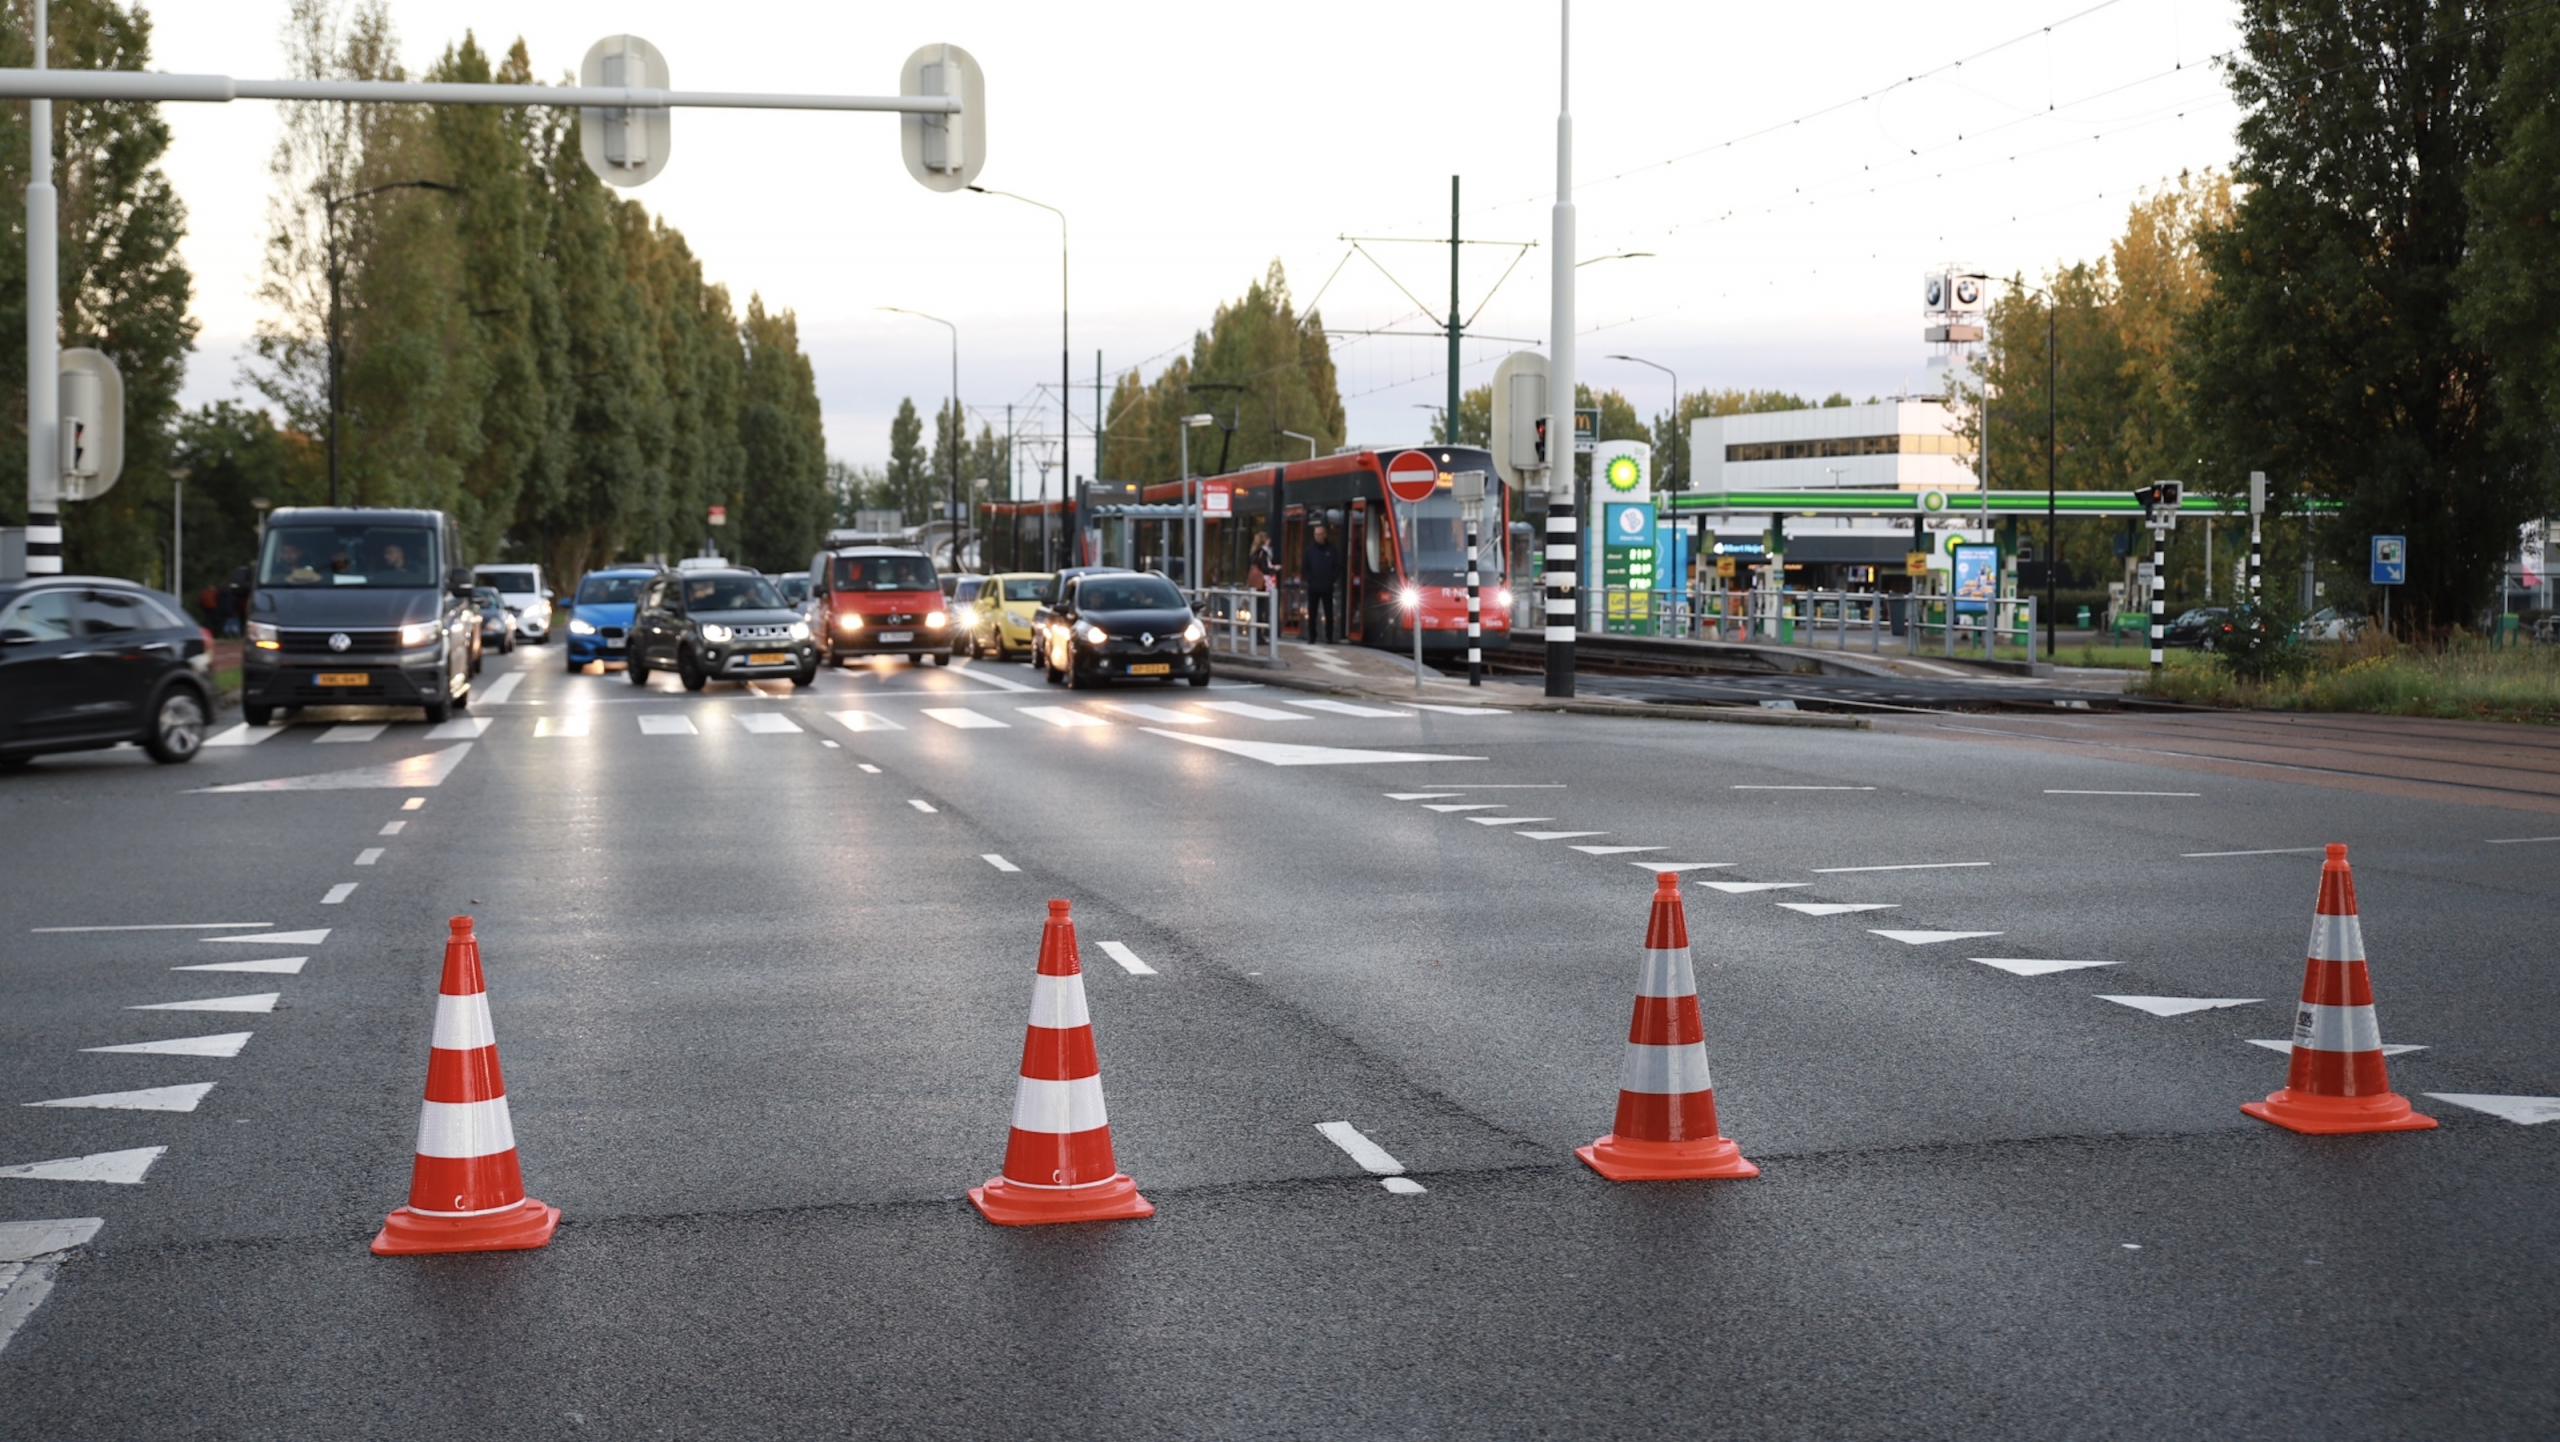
(2390, 560)
(1412, 477)
(1217, 499)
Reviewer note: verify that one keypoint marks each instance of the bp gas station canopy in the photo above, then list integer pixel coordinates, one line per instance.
(1963, 505)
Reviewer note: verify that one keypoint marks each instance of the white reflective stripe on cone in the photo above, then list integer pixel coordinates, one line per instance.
(2337, 1028)
(1057, 1002)
(1665, 1070)
(1059, 1106)
(2336, 938)
(462, 1022)
(465, 1129)
(1666, 973)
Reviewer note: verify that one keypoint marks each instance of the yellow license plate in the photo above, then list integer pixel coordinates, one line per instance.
(768, 658)
(342, 678)
(1159, 668)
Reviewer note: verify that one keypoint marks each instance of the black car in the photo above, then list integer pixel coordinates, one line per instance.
(353, 606)
(87, 662)
(2198, 628)
(718, 625)
(497, 624)
(1109, 626)
(1042, 615)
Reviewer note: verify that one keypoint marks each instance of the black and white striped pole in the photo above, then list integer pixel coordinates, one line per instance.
(2257, 513)
(2160, 506)
(1564, 554)
(1470, 488)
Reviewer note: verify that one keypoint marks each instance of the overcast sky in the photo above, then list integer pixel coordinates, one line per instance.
(1191, 145)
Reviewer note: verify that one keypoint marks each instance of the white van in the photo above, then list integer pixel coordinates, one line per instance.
(528, 599)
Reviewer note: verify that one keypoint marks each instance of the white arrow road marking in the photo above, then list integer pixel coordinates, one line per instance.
(428, 770)
(2181, 1005)
(1457, 806)
(1569, 835)
(1276, 753)
(159, 926)
(1839, 908)
(255, 1001)
(1128, 959)
(2034, 966)
(1745, 888)
(2523, 1111)
(1931, 938)
(1914, 866)
(226, 1044)
(1682, 865)
(123, 1168)
(1607, 850)
(26, 1241)
(180, 1098)
(280, 938)
(1421, 795)
(277, 965)
(1506, 820)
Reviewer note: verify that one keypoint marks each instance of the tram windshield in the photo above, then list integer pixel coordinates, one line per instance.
(1440, 549)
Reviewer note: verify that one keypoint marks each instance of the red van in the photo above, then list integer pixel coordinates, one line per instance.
(880, 601)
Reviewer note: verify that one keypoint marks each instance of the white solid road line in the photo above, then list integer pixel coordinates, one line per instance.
(865, 721)
(369, 856)
(1062, 716)
(663, 724)
(1804, 788)
(241, 733)
(2269, 851)
(2493, 841)
(123, 1168)
(339, 893)
(1930, 938)
(998, 862)
(500, 689)
(260, 1001)
(2051, 791)
(272, 966)
(1371, 1157)
(1128, 959)
(1914, 866)
(223, 1044)
(313, 937)
(156, 926)
(2523, 1111)
(573, 724)
(394, 828)
(924, 806)
(2034, 966)
(963, 719)
(767, 723)
(1250, 711)
(182, 1098)
(2181, 1005)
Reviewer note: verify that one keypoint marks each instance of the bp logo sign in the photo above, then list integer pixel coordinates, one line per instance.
(1933, 502)
(1625, 473)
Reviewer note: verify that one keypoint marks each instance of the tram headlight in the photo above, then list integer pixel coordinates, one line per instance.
(1502, 598)
(1409, 598)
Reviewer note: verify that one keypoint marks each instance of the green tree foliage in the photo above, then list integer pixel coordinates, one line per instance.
(909, 482)
(2333, 358)
(787, 504)
(1261, 368)
(234, 458)
(2510, 280)
(124, 289)
(983, 465)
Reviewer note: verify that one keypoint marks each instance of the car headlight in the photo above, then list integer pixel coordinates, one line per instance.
(799, 630)
(581, 626)
(848, 622)
(1093, 634)
(714, 632)
(937, 620)
(423, 633)
(264, 636)
(1195, 632)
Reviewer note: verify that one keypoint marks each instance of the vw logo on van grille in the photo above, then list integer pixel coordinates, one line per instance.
(338, 641)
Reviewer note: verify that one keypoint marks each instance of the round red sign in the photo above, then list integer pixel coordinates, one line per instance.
(1411, 477)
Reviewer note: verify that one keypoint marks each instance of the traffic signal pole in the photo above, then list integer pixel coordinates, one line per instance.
(44, 334)
(1563, 556)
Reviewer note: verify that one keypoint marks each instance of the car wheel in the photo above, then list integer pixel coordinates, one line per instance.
(942, 658)
(575, 665)
(257, 715)
(177, 728)
(507, 647)
(690, 672)
(1079, 679)
(439, 711)
(1200, 677)
(806, 675)
(915, 658)
(636, 669)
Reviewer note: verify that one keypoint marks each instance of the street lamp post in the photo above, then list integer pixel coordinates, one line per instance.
(1063, 391)
(329, 210)
(959, 427)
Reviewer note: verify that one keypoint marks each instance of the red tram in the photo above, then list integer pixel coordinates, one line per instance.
(1385, 570)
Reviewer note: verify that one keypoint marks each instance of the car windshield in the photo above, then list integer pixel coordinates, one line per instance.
(509, 582)
(348, 555)
(1129, 593)
(793, 589)
(1028, 588)
(610, 590)
(729, 593)
(884, 573)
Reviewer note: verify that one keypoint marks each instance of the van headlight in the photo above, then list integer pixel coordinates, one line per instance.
(265, 636)
(799, 630)
(937, 620)
(848, 622)
(423, 633)
(714, 632)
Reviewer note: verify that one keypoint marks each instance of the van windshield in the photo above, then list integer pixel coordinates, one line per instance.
(884, 573)
(354, 554)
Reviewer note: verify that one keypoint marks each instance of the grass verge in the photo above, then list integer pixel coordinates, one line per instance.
(2466, 679)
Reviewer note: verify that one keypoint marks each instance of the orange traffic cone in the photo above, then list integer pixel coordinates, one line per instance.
(1057, 1164)
(465, 1193)
(1666, 1127)
(2337, 1083)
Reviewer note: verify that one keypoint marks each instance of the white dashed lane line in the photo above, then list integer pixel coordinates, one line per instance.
(394, 828)
(924, 806)
(1128, 959)
(868, 767)
(339, 893)
(998, 862)
(413, 803)
(369, 856)
(1371, 1157)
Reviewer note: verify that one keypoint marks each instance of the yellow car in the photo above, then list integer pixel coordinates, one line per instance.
(999, 619)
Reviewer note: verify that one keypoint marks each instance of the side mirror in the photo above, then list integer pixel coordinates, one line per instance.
(15, 637)
(457, 579)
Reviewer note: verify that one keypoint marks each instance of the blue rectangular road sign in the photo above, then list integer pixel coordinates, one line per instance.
(2390, 560)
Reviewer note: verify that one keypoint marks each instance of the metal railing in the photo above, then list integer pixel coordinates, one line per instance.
(1240, 622)
(1832, 620)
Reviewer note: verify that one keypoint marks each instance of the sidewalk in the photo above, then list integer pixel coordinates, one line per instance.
(1377, 675)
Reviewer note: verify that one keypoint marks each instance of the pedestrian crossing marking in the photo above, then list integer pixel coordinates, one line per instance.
(572, 725)
(768, 723)
(1164, 715)
(502, 688)
(663, 724)
(866, 721)
(1063, 716)
(243, 734)
(963, 719)
(1280, 753)
(1345, 708)
(460, 728)
(354, 731)
(1250, 711)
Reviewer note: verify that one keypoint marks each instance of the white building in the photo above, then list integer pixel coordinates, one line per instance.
(1909, 445)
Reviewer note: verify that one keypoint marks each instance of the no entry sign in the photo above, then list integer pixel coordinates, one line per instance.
(1411, 477)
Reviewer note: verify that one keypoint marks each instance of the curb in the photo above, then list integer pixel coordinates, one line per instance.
(1729, 715)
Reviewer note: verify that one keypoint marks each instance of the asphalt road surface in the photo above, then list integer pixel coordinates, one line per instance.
(759, 965)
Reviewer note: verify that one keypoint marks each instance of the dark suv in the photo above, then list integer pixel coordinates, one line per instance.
(718, 625)
(88, 662)
(350, 606)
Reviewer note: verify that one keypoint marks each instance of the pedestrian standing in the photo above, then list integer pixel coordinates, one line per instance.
(1260, 570)
(1320, 570)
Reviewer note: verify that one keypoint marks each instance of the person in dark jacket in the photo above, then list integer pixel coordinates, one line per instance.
(1320, 571)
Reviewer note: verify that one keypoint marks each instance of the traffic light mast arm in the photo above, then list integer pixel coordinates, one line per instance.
(137, 85)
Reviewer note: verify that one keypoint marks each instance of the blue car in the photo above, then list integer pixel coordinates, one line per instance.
(600, 614)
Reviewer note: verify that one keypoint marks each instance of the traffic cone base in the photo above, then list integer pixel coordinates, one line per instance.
(2321, 1116)
(1625, 1159)
(526, 1225)
(1010, 1203)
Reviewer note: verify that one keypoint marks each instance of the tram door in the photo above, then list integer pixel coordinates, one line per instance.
(1356, 555)
(1293, 592)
